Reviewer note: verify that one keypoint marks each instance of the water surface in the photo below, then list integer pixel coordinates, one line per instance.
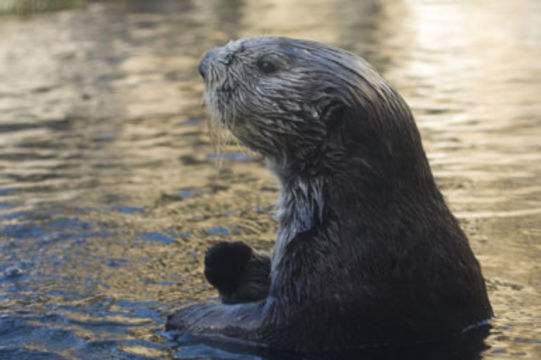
(109, 188)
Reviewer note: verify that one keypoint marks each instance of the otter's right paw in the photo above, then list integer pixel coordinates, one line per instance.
(225, 264)
(238, 273)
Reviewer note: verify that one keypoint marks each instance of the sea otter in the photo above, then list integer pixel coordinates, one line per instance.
(367, 251)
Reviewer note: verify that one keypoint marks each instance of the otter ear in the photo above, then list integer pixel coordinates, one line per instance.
(337, 118)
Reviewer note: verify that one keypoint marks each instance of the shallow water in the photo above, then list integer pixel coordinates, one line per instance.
(109, 188)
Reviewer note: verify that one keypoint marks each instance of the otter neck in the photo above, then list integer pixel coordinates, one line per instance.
(348, 197)
(301, 207)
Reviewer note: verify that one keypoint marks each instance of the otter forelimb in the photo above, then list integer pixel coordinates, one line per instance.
(238, 273)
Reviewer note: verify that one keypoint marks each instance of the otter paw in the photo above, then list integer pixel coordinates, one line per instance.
(225, 265)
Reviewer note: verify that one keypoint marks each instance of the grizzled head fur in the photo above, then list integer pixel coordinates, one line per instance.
(308, 107)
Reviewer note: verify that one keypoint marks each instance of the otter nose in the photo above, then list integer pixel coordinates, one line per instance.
(203, 65)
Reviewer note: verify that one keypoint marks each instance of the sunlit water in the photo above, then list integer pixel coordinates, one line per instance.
(109, 188)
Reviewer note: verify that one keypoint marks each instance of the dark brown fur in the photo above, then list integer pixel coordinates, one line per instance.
(367, 251)
(237, 272)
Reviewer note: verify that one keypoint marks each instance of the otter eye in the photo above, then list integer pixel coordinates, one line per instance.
(265, 66)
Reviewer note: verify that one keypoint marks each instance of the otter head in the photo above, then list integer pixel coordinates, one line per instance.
(308, 107)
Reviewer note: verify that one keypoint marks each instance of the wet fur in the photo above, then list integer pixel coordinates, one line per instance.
(237, 272)
(367, 251)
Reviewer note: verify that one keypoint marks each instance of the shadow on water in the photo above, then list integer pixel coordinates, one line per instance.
(110, 193)
(26, 7)
(466, 347)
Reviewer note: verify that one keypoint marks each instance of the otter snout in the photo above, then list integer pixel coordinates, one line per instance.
(203, 64)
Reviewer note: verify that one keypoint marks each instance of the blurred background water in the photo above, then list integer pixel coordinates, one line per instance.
(109, 187)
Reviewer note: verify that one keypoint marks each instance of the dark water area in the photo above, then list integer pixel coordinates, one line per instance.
(110, 188)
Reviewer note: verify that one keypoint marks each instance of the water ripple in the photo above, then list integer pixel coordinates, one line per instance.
(110, 188)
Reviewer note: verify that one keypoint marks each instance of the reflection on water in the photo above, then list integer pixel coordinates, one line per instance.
(109, 189)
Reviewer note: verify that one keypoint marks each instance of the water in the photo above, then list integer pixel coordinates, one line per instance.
(109, 188)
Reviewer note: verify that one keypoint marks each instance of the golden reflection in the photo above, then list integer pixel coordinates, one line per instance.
(143, 351)
(102, 120)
